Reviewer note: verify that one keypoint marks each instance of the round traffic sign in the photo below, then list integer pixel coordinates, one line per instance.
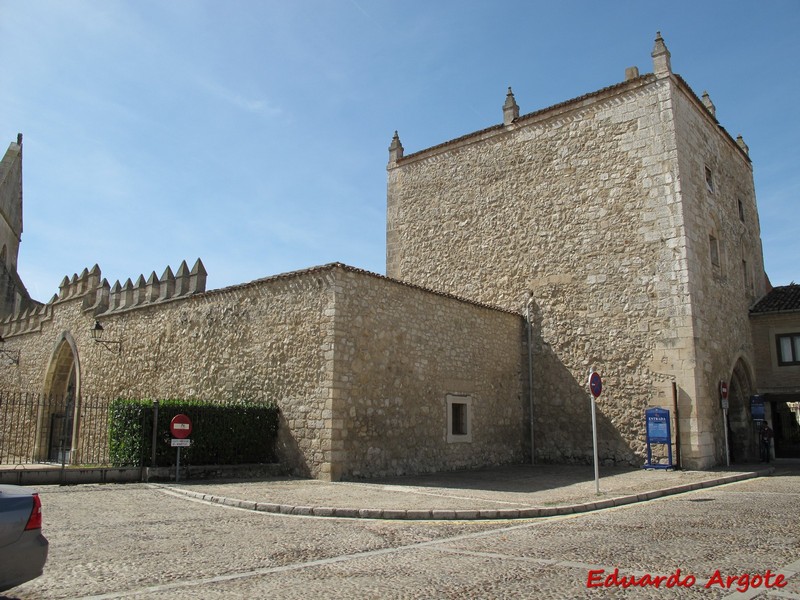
(723, 389)
(180, 426)
(595, 384)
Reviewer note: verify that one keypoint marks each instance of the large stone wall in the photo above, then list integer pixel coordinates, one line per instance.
(570, 204)
(261, 341)
(359, 365)
(715, 176)
(583, 205)
(400, 351)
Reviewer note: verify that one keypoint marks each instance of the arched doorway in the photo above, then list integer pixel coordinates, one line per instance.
(741, 435)
(58, 421)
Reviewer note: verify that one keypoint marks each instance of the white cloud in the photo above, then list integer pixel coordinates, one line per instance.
(229, 96)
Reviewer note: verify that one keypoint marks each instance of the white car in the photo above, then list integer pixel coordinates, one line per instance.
(23, 548)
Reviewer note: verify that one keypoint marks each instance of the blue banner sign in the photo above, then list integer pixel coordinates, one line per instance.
(757, 408)
(658, 432)
(658, 426)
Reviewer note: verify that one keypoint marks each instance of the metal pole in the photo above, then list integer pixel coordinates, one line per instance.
(178, 466)
(155, 434)
(725, 429)
(530, 369)
(594, 439)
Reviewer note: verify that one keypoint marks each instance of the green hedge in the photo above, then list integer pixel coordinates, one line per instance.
(222, 434)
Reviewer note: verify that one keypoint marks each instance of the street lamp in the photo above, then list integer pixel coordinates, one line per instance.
(97, 336)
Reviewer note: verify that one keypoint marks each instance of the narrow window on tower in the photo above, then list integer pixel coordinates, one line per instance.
(709, 180)
(745, 276)
(714, 249)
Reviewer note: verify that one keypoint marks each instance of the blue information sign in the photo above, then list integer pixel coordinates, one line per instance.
(757, 408)
(658, 426)
(658, 432)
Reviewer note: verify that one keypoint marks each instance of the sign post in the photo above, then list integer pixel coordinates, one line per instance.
(758, 414)
(723, 395)
(181, 428)
(595, 387)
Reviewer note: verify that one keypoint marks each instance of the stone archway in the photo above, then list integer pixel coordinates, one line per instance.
(58, 418)
(740, 426)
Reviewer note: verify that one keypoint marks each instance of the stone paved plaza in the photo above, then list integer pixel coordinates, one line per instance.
(140, 541)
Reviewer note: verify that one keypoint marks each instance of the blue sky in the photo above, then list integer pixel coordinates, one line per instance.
(254, 134)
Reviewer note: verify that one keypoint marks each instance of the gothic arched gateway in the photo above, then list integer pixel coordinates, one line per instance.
(58, 422)
(741, 435)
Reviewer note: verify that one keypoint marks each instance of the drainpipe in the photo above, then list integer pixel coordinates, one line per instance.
(677, 424)
(530, 366)
(154, 443)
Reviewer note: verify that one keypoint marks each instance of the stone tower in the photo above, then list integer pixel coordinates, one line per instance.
(13, 295)
(630, 214)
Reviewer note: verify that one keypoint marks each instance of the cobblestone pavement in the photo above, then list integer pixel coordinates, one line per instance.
(140, 541)
(505, 492)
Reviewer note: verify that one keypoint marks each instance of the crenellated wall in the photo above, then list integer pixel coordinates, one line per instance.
(305, 340)
(101, 300)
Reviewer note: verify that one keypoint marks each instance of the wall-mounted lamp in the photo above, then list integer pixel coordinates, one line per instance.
(97, 336)
(12, 355)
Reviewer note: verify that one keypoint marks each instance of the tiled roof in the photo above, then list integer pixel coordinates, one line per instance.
(780, 299)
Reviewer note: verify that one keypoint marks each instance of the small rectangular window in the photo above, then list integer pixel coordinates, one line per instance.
(709, 180)
(741, 209)
(745, 276)
(788, 349)
(459, 418)
(714, 248)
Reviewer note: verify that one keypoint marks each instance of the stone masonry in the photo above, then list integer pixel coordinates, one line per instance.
(623, 223)
(400, 352)
(13, 295)
(600, 207)
(360, 394)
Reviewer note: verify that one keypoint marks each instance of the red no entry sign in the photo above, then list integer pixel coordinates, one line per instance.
(180, 426)
(723, 390)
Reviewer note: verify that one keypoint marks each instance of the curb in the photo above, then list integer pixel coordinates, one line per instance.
(465, 515)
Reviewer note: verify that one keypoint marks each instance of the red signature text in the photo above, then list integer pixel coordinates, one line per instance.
(598, 578)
